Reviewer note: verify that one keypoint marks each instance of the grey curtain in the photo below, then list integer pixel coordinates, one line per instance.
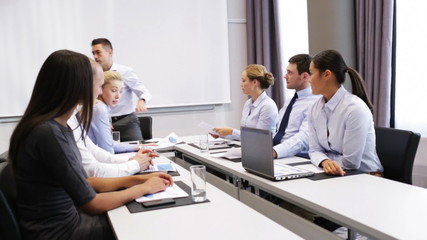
(374, 49)
(264, 42)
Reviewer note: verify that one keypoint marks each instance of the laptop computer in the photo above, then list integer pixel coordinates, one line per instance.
(257, 157)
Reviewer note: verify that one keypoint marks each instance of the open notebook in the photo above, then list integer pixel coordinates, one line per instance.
(257, 157)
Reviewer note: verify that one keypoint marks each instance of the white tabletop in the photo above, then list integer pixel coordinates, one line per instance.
(375, 206)
(222, 218)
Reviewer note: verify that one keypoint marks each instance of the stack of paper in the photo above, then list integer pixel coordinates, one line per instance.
(164, 143)
(171, 192)
(232, 153)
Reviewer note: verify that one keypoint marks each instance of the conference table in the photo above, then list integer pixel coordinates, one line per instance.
(372, 206)
(223, 217)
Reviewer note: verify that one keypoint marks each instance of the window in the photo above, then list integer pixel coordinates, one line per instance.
(294, 31)
(411, 61)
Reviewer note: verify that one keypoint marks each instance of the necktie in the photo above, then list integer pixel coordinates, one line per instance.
(284, 123)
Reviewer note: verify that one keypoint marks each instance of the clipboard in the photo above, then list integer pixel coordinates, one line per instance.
(135, 207)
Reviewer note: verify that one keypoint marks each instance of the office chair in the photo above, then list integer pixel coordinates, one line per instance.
(146, 125)
(9, 228)
(396, 150)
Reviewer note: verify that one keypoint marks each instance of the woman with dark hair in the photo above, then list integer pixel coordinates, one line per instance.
(259, 111)
(55, 198)
(342, 134)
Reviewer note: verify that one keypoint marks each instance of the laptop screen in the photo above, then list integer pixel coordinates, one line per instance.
(257, 150)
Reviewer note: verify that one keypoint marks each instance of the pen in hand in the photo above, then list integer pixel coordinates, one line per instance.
(152, 154)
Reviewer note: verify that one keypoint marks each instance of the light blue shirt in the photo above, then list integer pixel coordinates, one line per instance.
(133, 90)
(260, 114)
(100, 131)
(343, 130)
(295, 139)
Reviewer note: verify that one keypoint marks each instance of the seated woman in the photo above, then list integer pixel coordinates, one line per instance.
(55, 198)
(341, 127)
(260, 111)
(100, 128)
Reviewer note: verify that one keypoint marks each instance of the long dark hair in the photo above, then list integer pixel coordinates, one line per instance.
(65, 79)
(332, 60)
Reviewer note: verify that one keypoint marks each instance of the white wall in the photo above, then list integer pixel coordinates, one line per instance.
(334, 30)
(185, 123)
(150, 36)
(5, 132)
(419, 172)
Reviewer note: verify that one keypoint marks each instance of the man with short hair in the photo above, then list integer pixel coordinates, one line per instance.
(291, 137)
(134, 97)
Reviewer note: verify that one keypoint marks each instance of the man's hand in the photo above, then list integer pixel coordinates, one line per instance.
(140, 106)
(332, 167)
(274, 154)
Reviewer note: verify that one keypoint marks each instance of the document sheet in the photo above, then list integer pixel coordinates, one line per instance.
(173, 191)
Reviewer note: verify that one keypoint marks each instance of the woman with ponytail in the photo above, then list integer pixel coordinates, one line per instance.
(342, 134)
(259, 111)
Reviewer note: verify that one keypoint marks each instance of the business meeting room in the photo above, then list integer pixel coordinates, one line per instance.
(213, 119)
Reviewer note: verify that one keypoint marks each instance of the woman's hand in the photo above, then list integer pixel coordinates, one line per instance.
(152, 185)
(150, 153)
(223, 131)
(163, 175)
(214, 135)
(144, 158)
(331, 167)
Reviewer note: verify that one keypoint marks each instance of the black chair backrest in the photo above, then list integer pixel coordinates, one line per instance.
(9, 228)
(146, 125)
(396, 150)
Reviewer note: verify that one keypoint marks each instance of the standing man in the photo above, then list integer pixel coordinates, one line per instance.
(134, 97)
(291, 137)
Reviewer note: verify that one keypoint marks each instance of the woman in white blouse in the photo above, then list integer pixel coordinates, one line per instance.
(259, 111)
(341, 127)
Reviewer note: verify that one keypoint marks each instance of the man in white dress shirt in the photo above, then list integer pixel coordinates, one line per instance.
(134, 97)
(292, 139)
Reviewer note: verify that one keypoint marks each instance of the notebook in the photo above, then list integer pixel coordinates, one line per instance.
(257, 157)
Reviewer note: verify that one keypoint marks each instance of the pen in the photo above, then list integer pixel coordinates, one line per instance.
(152, 150)
(155, 153)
